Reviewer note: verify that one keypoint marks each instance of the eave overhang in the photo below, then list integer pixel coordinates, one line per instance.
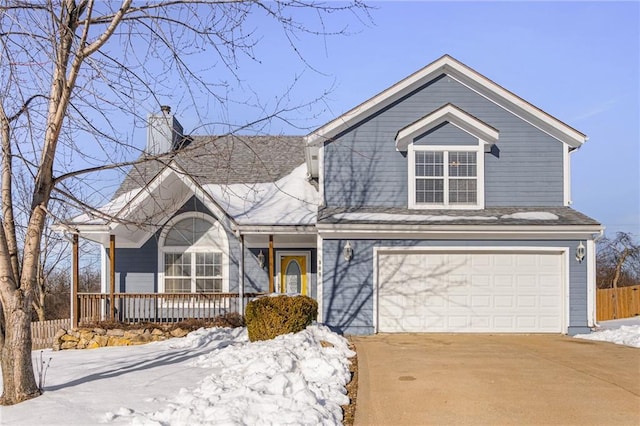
(458, 232)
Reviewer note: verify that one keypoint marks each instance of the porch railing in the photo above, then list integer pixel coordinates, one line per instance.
(158, 307)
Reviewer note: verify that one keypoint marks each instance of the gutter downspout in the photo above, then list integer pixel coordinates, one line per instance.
(595, 284)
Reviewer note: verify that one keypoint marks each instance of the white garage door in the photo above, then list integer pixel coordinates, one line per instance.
(470, 292)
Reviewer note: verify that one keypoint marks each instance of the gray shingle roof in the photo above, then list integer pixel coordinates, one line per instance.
(489, 216)
(225, 160)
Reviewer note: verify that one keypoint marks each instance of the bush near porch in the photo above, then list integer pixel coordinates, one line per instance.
(268, 317)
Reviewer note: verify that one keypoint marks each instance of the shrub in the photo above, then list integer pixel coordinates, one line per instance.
(268, 317)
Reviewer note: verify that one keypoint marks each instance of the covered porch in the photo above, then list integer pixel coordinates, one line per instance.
(260, 254)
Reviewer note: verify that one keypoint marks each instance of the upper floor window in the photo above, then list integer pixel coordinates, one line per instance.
(445, 177)
(446, 171)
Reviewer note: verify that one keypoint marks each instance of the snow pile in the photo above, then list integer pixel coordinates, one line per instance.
(292, 379)
(622, 332)
(211, 376)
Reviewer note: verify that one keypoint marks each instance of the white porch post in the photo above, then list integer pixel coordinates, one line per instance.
(241, 283)
(75, 268)
(112, 277)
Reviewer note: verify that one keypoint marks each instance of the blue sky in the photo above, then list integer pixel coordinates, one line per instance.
(578, 61)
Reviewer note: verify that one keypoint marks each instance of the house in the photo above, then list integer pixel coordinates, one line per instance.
(442, 204)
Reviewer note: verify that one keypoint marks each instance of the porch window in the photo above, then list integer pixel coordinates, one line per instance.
(192, 255)
(192, 272)
(444, 178)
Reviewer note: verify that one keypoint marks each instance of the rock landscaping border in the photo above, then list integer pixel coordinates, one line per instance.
(107, 333)
(91, 338)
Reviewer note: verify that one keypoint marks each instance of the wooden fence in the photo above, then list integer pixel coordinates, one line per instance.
(42, 332)
(623, 302)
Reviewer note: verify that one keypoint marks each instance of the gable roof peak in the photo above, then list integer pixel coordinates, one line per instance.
(467, 76)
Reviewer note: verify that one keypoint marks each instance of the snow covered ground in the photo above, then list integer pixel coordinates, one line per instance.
(622, 332)
(211, 376)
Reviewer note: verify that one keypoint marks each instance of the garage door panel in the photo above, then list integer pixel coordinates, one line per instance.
(502, 323)
(504, 301)
(503, 281)
(481, 301)
(549, 302)
(527, 301)
(479, 292)
(527, 283)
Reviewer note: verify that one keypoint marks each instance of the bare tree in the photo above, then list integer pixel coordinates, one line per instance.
(71, 72)
(618, 264)
(618, 261)
(54, 256)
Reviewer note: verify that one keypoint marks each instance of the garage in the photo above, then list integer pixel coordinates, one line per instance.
(470, 290)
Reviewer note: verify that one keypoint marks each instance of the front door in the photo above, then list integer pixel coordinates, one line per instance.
(293, 274)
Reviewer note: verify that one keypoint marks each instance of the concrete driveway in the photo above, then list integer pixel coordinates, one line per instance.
(441, 379)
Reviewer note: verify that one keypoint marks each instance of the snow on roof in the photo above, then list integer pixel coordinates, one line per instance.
(109, 209)
(391, 217)
(531, 216)
(399, 217)
(292, 200)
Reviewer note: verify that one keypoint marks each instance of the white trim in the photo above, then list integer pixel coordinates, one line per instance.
(383, 231)
(450, 66)
(134, 237)
(564, 251)
(224, 247)
(280, 254)
(566, 264)
(277, 229)
(448, 113)
(412, 148)
(321, 199)
(319, 280)
(591, 283)
(566, 175)
(241, 276)
(280, 245)
(104, 268)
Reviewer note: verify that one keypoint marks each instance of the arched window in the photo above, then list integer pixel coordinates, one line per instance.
(193, 255)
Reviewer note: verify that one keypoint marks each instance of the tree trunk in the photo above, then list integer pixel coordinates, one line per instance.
(19, 382)
(616, 277)
(40, 293)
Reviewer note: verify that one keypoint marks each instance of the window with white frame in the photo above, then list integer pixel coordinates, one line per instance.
(445, 177)
(192, 255)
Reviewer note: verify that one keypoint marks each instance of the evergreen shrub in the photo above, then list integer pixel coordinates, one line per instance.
(268, 317)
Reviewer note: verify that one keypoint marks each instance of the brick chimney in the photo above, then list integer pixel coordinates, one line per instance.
(164, 132)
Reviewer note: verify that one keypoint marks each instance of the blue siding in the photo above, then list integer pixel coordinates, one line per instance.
(137, 268)
(348, 286)
(257, 280)
(363, 168)
(446, 134)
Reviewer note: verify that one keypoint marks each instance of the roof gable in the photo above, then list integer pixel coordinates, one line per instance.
(448, 113)
(453, 68)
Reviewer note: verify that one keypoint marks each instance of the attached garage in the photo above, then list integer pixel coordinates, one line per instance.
(480, 290)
